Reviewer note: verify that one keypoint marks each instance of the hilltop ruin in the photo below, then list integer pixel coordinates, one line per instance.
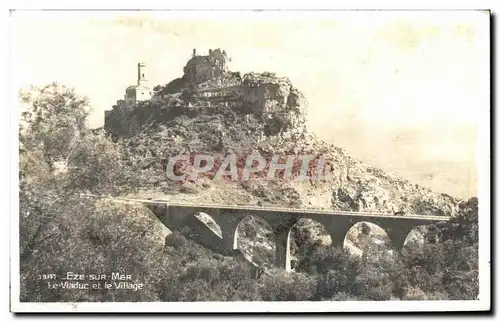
(207, 82)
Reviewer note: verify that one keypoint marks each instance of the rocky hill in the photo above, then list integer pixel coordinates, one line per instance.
(256, 112)
(213, 111)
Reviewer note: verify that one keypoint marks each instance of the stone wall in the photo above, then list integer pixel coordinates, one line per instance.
(200, 69)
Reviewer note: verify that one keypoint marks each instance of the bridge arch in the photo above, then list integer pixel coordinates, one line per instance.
(421, 235)
(200, 227)
(209, 222)
(364, 236)
(255, 238)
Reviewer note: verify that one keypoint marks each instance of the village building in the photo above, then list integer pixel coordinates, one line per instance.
(140, 91)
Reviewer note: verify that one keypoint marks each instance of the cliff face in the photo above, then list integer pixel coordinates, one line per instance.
(282, 107)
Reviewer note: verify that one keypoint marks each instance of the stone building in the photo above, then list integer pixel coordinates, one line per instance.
(140, 91)
(200, 68)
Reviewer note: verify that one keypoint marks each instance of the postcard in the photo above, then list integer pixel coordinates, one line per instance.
(251, 161)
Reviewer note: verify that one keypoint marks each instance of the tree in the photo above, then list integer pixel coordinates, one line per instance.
(53, 129)
(53, 120)
(189, 94)
(100, 165)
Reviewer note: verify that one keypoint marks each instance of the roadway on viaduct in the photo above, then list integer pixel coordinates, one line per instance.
(179, 215)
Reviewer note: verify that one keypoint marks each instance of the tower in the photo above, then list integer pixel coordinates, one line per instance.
(194, 52)
(141, 74)
(141, 91)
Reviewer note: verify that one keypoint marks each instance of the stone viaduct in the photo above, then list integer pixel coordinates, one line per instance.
(281, 220)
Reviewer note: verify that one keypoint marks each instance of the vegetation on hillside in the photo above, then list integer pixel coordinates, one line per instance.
(63, 231)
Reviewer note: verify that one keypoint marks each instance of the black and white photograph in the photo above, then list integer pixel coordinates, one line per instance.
(250, 161)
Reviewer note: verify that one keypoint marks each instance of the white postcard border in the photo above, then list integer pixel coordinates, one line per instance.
(483, 163)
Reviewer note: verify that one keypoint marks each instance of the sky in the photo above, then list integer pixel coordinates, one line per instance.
(402, 91)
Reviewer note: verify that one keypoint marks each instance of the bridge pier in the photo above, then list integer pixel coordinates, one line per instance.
(398, 236)
(229, 231)
(281, 225)
(337, 229)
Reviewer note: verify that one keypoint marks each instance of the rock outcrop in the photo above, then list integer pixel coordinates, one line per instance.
(281, 106)
(206, 85)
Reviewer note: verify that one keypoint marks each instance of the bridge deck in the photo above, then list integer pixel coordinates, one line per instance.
(287, 210)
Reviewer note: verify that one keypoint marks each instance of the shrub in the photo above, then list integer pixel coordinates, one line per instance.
(283, 286)
(176, 240)
(414, 294)
(189, 94)
(99, 165)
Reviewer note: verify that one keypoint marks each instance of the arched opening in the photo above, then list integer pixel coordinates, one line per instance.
(365, 238)
(420, 236)
(255, 239)
(202, 229)
(209, 222)
(307, 238)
